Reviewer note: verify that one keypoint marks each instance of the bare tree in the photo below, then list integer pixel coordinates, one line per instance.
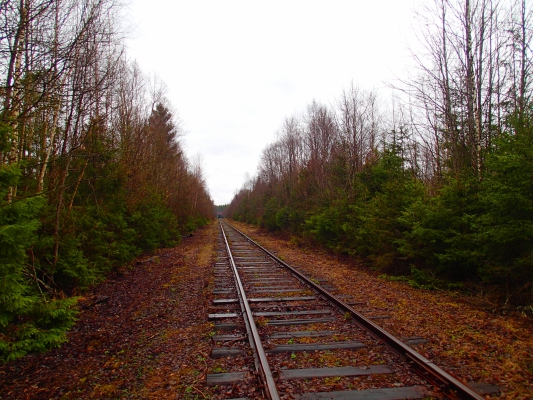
(359, 120)
(462, 88)
(320, 137)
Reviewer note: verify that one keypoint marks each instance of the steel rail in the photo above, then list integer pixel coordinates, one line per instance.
(453, 388)
(272, 391)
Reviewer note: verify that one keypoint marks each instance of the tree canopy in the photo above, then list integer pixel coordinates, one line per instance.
(438, 189)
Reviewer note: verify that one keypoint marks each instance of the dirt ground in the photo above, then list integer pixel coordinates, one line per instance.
(143, 340)
(144, 333)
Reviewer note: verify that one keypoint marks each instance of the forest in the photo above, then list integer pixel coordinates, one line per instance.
(435, 186)
(92, 170)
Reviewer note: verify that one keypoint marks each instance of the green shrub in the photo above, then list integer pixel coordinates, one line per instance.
(30, 319)
(504, 230)
(441, 235)
(154, 224)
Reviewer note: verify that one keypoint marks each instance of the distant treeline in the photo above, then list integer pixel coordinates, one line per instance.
(439, 187)
(92, 170)
(221, 209)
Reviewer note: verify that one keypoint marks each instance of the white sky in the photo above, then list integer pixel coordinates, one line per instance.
(235, 69)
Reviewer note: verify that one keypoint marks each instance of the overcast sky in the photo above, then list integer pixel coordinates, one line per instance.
(235, 69)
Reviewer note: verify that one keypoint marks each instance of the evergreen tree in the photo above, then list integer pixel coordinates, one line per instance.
(505, 227)
(31, 318)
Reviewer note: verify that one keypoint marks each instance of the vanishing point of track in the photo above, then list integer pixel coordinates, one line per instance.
(294, 339)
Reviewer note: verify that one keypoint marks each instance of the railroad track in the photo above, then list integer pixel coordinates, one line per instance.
(280, 335)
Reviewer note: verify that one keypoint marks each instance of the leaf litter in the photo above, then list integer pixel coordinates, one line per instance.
(143, 340)
(144, 333)
(464, 339)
